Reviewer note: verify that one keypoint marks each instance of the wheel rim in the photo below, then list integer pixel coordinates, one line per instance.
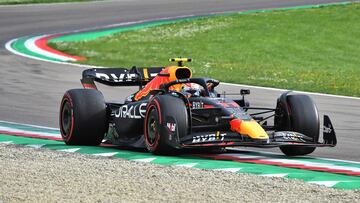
(66, 121)
(152, 127)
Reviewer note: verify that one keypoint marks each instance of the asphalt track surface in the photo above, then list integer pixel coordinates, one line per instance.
(31, 90)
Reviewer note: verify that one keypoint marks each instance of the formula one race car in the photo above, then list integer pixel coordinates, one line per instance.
(173, 111)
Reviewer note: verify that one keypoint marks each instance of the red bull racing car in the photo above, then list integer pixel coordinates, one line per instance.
(172, 111)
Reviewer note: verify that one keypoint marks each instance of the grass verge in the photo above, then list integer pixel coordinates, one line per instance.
(13, 2)
(311, 49)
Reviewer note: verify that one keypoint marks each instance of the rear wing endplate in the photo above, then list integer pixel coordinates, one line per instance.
(136, 76)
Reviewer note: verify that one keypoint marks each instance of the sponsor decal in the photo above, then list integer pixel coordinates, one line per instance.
(183, 80)
(198, 105)
(291, 136)
(136, 111)
(209, 137)
(171, 126)
(117, 78)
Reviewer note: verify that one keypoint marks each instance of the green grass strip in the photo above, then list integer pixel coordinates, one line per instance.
(102, 33)
(295, 8)
(73, 37)
(303, 49)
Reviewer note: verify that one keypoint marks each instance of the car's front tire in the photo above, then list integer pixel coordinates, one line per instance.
(156, 132)
(83, 117)
(304, 118)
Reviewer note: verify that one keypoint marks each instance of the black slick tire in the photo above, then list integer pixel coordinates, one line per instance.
(156, 133)
(304, 118)
(83, 117)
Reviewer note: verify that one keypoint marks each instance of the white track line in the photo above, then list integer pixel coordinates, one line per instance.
(71, 150)
(293, 161)
(145, 160)
(29, 132)
(275, 175)
(280, 154)
(314, 164)
(188, 165)
(326, 183)
(30, 125)
(53, 4)
(6, 142)
(106, 154)
(234, 170)
(36, 146)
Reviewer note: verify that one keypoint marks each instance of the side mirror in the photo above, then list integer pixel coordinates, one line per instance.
(244, 91)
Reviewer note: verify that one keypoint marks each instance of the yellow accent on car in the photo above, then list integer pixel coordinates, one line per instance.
(146, 74)
(217, 135)
(176, 72)
(180, 60)
(253, 130)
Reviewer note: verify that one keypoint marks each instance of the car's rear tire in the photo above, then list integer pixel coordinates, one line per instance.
(156, 132)
(304, 118)
(83, 117)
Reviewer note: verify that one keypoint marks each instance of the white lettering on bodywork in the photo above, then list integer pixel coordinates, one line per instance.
(209, 137)
(131, 111)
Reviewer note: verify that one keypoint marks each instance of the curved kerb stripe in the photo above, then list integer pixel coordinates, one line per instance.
(39, 45)
(352, 171)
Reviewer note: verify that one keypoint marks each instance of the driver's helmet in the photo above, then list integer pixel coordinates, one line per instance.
(191, 89)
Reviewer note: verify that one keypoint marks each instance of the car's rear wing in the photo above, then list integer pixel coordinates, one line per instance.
(136, 76)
